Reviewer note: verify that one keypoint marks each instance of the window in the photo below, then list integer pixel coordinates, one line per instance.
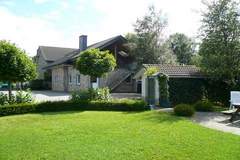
(70, 79)
(78, 79)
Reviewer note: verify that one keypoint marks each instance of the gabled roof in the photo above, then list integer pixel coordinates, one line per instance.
(54, 53)
(107, 42)
(70, 56)
(174, 71)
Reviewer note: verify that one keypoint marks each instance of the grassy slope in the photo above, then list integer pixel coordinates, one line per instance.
(112, 135)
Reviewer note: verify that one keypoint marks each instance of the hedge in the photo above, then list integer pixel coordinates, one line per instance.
(219, 91)
(115, 105)
(185, 90)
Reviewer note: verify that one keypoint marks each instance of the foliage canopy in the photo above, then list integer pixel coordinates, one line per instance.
(182, 46)
(95, 63)
(220, 48)
(15, 65)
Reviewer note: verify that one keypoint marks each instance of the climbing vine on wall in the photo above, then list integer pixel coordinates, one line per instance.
(163, 89)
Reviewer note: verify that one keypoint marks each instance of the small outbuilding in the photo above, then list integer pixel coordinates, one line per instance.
(171, 84)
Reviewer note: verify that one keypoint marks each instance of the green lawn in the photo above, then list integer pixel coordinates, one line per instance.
(112, 136)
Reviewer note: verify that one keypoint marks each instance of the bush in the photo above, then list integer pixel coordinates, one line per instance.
(114, 105)
(184, 110)
(101, 94)
(24, 96)
(20, 97)
(3, 99)
(204, 106)
(83, 95)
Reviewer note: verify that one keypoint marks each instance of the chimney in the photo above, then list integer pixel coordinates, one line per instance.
(83, 42)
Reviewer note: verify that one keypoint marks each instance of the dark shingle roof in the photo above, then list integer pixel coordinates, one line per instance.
(70, 56)
(106, 42)
(54, 53)
(181, 71)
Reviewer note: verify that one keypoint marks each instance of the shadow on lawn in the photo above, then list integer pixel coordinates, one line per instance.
(80, 111)
(58, 113)
(156, 116)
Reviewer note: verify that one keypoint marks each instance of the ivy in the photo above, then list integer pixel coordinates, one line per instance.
(163, 90)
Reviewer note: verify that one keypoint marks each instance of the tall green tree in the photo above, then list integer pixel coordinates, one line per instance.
(95, 63)
(182, 46)
(220, 47)
(15, 65)
(148, 37)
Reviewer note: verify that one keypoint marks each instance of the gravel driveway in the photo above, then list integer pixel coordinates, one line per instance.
(41, 96)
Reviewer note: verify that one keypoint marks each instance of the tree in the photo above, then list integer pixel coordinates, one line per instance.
(182, 46)
(148, 37)
(196, 60)
(166, 56)
(95, 63)
(220, 47)
(15, 65)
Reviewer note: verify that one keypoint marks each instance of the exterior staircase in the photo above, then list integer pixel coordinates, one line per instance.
(116, 77)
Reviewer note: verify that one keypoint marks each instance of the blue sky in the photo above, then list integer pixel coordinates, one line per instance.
(30, 23)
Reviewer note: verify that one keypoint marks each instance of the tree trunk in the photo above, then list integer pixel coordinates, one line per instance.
(9, 90)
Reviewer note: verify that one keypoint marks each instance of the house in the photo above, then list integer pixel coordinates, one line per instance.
(185, 83)
(65, 77)
(47, 55)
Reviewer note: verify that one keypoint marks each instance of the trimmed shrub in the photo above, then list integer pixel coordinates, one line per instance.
(83, 95)
(114, 105)
(204, 106)
(185, 90)
(184, 110)
(101, 94)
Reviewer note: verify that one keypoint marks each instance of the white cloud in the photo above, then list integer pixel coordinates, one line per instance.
(119, 16)
(112, 17)
(7, 3)
(40, 1)
(64, 4)
(30, 32)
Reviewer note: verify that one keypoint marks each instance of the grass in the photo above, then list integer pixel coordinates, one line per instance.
(112, 135)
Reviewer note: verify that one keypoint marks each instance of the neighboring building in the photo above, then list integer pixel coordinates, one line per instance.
(66, 78)
(47, 55)
(150, 87)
